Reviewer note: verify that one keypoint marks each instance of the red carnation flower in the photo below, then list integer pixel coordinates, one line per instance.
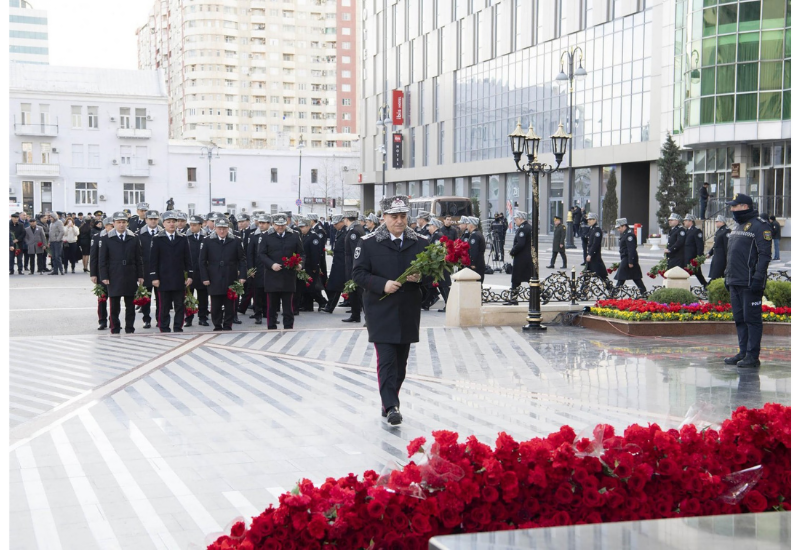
(237, 531)
(317, 527)
(417, 443)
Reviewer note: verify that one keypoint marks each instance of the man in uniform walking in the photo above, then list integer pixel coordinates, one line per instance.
(749, 248)
(719, 252)
(146, 235)
(693, 246)
(279, 282)
(522, 269)
(675, 242)
(594, 255)
(629, 268)
(222, 262)
(392, 323)
(170, 258)
(195, 238)
(337, 277)
(559, 239)
(352, 237)
(121, 270)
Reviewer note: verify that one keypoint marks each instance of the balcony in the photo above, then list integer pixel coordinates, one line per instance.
(133, 171)
(134, 133)
(36, 129)
(26, 169)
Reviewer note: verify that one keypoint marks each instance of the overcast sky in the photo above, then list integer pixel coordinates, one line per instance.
(94, 33)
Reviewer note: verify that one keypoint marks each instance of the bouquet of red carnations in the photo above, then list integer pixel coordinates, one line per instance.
(190, 306)
(438, 257)
(349, 287)
(694, 265)
(100, 292)
(457, 252)
(659, 269)
(294, 262)
(142, 296)
(235, 290)
(613, 268)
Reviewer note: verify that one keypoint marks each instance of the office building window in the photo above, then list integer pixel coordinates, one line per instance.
(77, 155)
(141, 119)
(27, 152)
(191, 174)
(25, 114)
(76, 116)
(124, 117)
(93, 118)
(313, 175)
(232, 174)
(441, 143)
(45, 147)
(412, 145)
(273, 175)
(132, 193)
(125, 152)
(425, 143)
(85, 192)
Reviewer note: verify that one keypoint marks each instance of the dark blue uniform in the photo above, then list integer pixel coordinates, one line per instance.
(629, 256)
(675, 243)
(170, 259)
(195, 240)
(692, 248)
(719, 253)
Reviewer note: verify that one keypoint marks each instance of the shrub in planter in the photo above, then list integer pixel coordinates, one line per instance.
(672, 296)
(779, 293)
(717, 293)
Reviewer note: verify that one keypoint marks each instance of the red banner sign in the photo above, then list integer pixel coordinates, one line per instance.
(397, 107)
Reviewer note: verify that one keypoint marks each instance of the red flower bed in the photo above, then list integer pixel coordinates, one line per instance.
(468, 487)
(644, 306)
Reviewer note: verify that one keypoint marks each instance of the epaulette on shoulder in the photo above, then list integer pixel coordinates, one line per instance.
(368, 236)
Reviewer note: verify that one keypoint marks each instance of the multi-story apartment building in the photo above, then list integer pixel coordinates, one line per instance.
(257, 74)
(714, 73)
(27, 26)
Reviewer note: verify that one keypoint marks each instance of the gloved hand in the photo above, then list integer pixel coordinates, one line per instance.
(757, 285)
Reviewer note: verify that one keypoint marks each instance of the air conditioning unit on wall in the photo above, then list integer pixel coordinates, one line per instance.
(114, 161)
(151, 162)
(191, 184)
(254, 204)
(102, 197)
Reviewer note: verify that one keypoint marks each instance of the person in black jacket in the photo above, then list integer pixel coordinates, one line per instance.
(137, 221)
(392, 323)
(449, 230)
(704, 195)
(313, 257)
(594, 255)
(222, 262)
(559, 239)
(354, 232)
(584, 233)
(477, 248)
(17, 229)
(195, 238)
(776, 237)
(719, 252)
(121, 270)
(693, 246)
(498, 229)
(94, 272)
(280, 242)
(749, 247)
(146, 235)
(629, 267)
(522, 269)
(253, 262)
(337, 277)
(675, 242)
(170, 258)
(321, 230)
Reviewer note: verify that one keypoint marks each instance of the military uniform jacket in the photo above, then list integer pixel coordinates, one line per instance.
(693, 245)
(272, 251)
(222, 263)
(253, 261)
(593, 250)
(337, 277)
(169, 260)
(395, 319)
(121, 263)
(522, 269)
(135, 223)
(559, 236)
(94, 255)
(749, 252)
(194, 251)
(719, 253)
(313, 257)
(628, 255)
(354, 233)
(147, 243)
(675, 244)
(477, 251)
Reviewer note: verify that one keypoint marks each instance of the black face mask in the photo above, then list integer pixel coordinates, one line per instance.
(741, 216)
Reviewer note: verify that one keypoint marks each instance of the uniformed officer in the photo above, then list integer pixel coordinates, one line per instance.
(280, 283)
(559, 238)
(629, 267)
(432, 292)
(321, 230)
(749, 253)
(137, 221)
(477, 247)
(462, 228)
(146, 235)
(337, 277)
(170, 258)
(222, 262)
(423, 218)
(195, 238)
(243, 233)
(121, 270)
(522, 268)
(584, 233)
(183, 222)
(719, 252)
(594, 254)
(675, 242)
(371, 222)
(392, 323)
(253, 262)
(693, 245)
(94, 272)
(313, 257)
(353, 234)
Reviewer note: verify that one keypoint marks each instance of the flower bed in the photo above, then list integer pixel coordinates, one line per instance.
(563, 479)
(643, 310)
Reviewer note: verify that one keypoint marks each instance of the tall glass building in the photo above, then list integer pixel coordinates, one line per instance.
(713, 73)
(27, 33)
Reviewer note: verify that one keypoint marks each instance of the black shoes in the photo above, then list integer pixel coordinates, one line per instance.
(326, 310)
(146, 325)
(352, 319)
(563, 267)
(187, 323)
(550, 267)
(393, 416)
(272, 327)
(217, 329)
(129, 331)
(236, 321)
(735, 359)
(443, 310)
(227, 328)
(103, 326)
(166, 330)
(203, 323)
(749, 362)
(177, 330)
(258, 319)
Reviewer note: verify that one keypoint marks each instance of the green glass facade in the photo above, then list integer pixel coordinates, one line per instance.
(732, 61)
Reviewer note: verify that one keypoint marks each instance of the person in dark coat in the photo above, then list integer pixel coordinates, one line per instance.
(146, 235)
(121, 270)
(693, 245)
(522, 269)
(594, 255)
(85, 243)
(94, 272)
(477, 248)
(280, 283)
(450, 230)
(675, 242)
(35, 242)
(353, 233)
(196, 238)
(337, 277)
(170, 259)
(392, 323)
(17, 229)
(719, 252)
(584, 234)
(559, 240)
(138, 220)
(321, 231)
(704, 195)
(253, 262)
(776, 237)
(577, 220)
(221, 263)
(498, 229)
(313, 258)
(629, 268)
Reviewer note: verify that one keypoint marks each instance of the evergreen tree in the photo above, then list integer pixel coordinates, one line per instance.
(674, 192)
(610, 202)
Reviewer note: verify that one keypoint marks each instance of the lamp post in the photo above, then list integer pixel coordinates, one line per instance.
(384, 123)
(299, 170)
(529, 144)
(564, 78)
(207, 151)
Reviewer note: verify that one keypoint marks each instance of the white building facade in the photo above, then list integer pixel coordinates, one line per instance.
(28, 38)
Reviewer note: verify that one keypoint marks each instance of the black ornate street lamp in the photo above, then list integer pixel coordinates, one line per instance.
(529, 144)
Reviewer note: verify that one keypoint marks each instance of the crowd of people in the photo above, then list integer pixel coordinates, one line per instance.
(64, 238)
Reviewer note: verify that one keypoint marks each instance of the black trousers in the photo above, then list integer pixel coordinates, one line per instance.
(130, 313)
(168, 300)
(444, 286)
(746, 306)
(202, 304)
(700, 276)
(284, 301)
(244, 300)
(15, 258)
(218, 303)
(638, 282)
(392, 361)
(556, 252)
(259, 301)
(102, 308)
(333, 300)
(355, 303)
(145, 309)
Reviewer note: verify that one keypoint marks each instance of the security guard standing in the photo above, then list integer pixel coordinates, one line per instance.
(146, 235)
(321, 231)
(749, 254)
(337, 277)
(170, 258)
(195, 238)
(719, 252)
(279, 282)
(222, 262)
(693, 246)
(352, 237)
(522, 269)
(629, 267)
(675, 242)
(137, 221)
(594, 254)
(183, 225)
(313, 257)
(477, 248)
(121, 270)
(559, 238)
(253, 262)
(94, 272)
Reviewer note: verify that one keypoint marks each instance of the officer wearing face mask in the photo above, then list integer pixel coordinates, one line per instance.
(749, 253)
